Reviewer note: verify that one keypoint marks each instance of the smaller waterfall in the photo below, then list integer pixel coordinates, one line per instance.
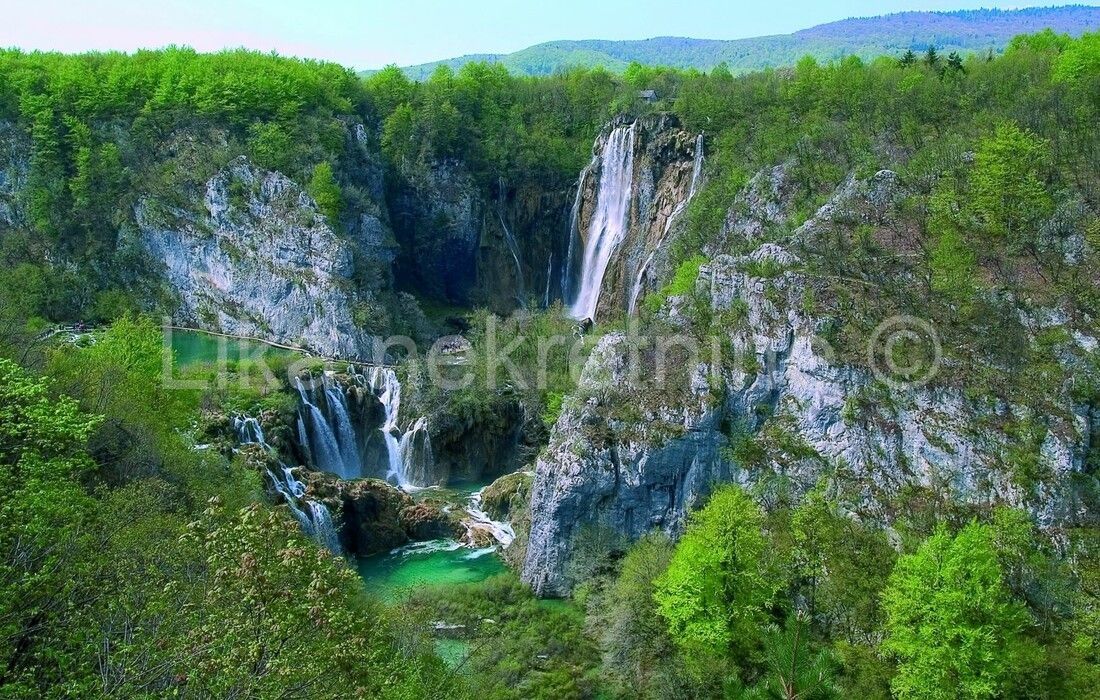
(549, 272)
(324, 531)
(317, 523)
(323, 446)
(479, 520)
(405, 466)
(513, 247)
(570, 266)
(610, 220)
(696, 174)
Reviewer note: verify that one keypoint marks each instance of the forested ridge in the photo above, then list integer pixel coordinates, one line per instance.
(136, 563)
(965, 31)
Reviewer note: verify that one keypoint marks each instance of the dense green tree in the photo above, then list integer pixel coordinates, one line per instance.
(1009, 197)
(44, 531)
(637, 649)
(795, 670)
(324, 190)
(718, 587)
(952, 622)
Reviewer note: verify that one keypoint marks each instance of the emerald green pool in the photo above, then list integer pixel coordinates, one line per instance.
(395, 575)
(192, 348)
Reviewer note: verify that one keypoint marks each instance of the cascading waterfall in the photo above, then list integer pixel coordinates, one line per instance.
(405, 467)
(345, 434)
(609, 222)
(317, 522)
(696, 173)
(323, 446)
(479, 520)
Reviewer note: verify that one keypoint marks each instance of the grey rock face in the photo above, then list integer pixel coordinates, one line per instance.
(259, 260)
(438, 223)
(15, 152)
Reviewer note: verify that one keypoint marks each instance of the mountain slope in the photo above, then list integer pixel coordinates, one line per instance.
(964, 30)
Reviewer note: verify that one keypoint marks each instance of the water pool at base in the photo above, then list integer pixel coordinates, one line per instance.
(392, 576)
(395, 575)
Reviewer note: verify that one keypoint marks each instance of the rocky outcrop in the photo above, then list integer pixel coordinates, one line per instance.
(259, 260)
(15, 150)
(629, 454)
(508, 495)
(372, 516)
(626, 477)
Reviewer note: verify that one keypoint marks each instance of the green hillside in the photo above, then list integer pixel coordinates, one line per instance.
(962, 31)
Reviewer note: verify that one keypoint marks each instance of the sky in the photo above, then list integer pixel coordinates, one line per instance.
(374, 33)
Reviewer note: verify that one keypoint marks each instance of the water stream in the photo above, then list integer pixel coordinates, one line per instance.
(312, 515)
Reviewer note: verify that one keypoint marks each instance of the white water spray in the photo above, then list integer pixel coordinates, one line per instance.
(609, 222)
(405, 467)
(323, 446)
(317, 522)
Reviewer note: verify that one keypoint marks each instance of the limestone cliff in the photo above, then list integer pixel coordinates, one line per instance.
(630, 454)
(259, 260)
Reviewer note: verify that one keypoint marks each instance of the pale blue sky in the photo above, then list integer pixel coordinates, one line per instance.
(372, 33)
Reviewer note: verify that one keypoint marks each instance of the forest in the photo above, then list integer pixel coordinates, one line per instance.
(134, 563)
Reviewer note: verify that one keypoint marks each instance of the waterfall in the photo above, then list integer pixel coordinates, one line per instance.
(317, 523)
(609, 222)
(513, 248)
(549, 272)
(571, 263)
(696, 166)
(345, 434)
(696, 173)
(480, 520)
(324, 531)
(322, 443)
(405, 467)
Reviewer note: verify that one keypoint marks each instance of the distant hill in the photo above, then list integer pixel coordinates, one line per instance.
(963, 31)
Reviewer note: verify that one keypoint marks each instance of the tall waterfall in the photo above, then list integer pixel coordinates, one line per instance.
(696, 173)
(609, 222)
(312, 516)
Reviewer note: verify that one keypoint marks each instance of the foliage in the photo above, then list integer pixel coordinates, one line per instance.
(1009, 198)
(717, 589)
(951, 620)
(518, 646)
(325, 191)
(795, 670)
